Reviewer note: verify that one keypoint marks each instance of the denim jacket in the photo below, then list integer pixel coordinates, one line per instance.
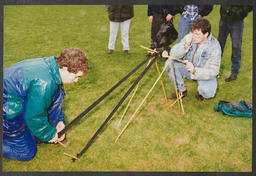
(206, 57)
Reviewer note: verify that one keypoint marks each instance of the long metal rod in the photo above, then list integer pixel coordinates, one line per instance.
(100, 99)
(174, 82)
(162, 83)
(115, 109)
(126, 108)
(131, 118)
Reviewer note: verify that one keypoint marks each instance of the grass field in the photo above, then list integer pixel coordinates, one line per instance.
(159, 138)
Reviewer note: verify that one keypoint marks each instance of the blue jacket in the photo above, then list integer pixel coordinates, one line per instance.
(28, 92)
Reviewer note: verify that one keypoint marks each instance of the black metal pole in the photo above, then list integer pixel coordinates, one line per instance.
(115, 109)
(100, 99)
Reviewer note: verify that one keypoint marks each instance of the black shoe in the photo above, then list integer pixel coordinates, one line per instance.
(173, 95)
(231, 77)
(110, 51)
(199, 97)
(127, 52)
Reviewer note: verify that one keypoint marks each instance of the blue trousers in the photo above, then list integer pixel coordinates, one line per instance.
(184, 26)
(23, 147)
(206, 88)
(235, 29)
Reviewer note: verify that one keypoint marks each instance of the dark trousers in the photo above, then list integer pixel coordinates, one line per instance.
(235, 29)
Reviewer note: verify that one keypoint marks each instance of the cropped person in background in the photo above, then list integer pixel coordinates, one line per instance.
(231, 22)
(155, 15)
(32, 101)
(119, 15)
(189, 14)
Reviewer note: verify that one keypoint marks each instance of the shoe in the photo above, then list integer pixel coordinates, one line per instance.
(110, 51)
(127, 52)
(173, 95)
(231, 77)
(199, 97)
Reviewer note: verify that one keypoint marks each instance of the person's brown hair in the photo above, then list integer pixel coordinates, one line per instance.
(202, 24)
(74, 59)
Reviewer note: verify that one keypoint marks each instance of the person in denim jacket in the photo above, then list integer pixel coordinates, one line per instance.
(202, 53)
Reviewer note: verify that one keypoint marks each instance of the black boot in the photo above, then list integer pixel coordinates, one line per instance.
(173, 95)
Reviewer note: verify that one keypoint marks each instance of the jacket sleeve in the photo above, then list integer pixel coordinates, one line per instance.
(171, 10)
(39, 99)
(204, 10)
(179, 50)
(150, 10)
(178, 8)
(212, 66)
(247, 9)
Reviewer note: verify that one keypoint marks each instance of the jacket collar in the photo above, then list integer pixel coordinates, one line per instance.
(53, 69)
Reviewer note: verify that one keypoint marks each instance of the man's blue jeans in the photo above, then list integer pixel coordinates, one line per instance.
(235, 29)
(184, 26)
(206, 88)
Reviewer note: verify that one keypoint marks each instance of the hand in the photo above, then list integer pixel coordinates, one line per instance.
(188, 39)
(150, 19)
(168, 17)
(190, 67)
(54, 139)
(60, 126)
(61, 138)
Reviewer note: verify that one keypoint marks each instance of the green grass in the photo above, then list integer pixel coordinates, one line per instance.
(159, 138)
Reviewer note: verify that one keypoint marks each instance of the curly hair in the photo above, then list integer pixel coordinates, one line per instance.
(203, 24)
(74, 59)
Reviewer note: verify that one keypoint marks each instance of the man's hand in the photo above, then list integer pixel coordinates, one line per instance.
(168, 17)
(54, 139)
(60, 126)
(188, 39)
(190, 67)
(150, 19)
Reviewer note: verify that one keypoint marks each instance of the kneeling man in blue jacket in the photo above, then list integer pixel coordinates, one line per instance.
(32, 101)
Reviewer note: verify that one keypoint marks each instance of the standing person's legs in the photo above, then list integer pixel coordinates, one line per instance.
(124, 27)
(155, 26)
(223, 34)
(236, 35)
(112, 35)
(183, 27)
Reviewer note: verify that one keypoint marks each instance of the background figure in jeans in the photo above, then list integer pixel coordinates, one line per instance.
(190, 13)
(231, 22)
(119, 15)
(155, 14)
(203, 54)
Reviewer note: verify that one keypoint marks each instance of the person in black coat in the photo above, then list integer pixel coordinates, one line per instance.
(159, 14)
